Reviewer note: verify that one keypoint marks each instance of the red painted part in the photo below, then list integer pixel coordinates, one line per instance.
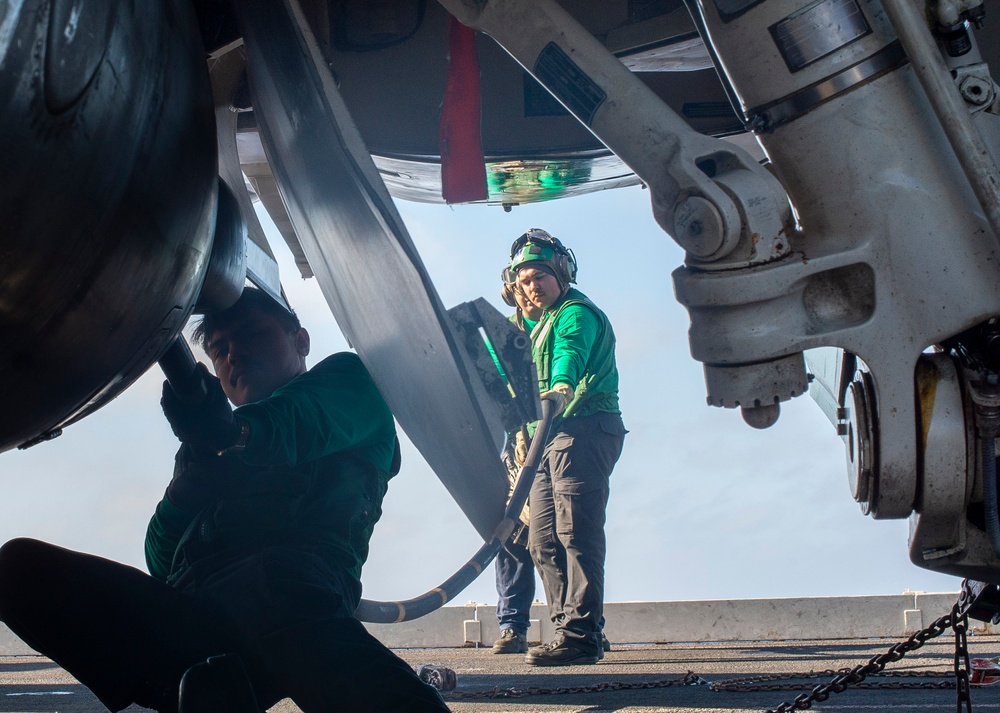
(463, 167)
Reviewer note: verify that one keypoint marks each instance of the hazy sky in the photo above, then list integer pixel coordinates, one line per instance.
(702, 506)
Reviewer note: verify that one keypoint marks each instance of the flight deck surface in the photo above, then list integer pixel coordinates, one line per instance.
(489, 683)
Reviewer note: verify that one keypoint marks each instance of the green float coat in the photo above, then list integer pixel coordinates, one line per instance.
(322, 449)
(574, 344)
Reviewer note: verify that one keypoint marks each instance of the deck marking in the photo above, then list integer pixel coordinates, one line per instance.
(935, 706)
(41, 693)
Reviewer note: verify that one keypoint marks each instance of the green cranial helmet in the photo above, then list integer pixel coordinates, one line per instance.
(536, 248)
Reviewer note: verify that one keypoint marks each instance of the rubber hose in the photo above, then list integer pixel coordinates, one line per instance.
(990, 492)
(180, 368)
(391, 612)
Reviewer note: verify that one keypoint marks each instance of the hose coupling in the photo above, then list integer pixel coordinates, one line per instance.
(985, 392)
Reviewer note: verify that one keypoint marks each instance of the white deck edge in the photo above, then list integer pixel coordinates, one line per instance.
(807, 618)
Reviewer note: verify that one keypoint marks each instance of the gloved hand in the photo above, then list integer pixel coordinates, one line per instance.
(509, 462)
(513, 458)
(199, 476)
(208, 423)
(560, 395)
(520, 448)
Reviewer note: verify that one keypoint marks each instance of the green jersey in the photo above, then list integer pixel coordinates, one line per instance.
(574, 344)
(321, 451)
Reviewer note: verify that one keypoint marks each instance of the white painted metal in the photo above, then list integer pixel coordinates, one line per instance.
(716, 224)
(806, 618)
(949, 107)
(938, 527)
(894, 252)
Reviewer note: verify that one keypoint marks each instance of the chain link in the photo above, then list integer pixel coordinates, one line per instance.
(957, 620)
(689, 679)
(842, 678)
(763, 682)
(962, 688)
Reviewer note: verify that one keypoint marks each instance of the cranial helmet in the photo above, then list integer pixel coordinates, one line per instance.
(536, 248)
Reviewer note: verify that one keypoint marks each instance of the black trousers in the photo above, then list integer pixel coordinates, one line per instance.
(566, 537)
(129, 638)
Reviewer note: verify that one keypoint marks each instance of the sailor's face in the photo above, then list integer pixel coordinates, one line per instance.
(528, 308)
(539, 286)
(255, 355)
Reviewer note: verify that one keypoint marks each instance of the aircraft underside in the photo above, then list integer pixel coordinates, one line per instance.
(829, 166)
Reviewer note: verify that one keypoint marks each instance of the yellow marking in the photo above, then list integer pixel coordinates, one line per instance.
(402, 612)
(927, 383)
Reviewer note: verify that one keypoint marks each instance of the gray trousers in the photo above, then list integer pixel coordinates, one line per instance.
(566, 536)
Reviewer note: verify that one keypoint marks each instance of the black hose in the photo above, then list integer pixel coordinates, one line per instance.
(180, 368)
(392, 612)
(990, 491)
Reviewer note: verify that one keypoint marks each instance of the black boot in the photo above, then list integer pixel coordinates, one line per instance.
(218, 685)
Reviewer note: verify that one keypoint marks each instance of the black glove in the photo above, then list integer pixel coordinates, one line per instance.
(199, 478)
(209, 422)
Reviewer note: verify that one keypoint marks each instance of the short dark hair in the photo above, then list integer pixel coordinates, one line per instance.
(252, 300)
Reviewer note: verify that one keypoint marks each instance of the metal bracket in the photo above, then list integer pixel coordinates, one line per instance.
(514, 385)
(980, 601)
(977, 88)
(228, 72)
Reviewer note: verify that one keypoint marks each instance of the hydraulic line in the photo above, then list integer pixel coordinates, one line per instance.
(391, 612)
(180, 368)
(985, 392)
(990, 492)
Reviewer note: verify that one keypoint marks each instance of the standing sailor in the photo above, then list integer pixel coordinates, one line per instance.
(573, 347)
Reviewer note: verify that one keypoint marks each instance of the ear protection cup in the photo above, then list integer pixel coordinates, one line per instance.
(507, 294)
(566, 262)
